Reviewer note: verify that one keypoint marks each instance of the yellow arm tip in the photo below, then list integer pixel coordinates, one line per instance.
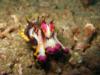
(21, 33)
(37, 50)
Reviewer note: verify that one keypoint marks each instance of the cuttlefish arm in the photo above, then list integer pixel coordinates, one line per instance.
(31, 32)
(41, 56)
(40, 50)
(37, 51)
(63, 47)
(22, 34)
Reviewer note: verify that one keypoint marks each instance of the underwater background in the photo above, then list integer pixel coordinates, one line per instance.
(16, 57)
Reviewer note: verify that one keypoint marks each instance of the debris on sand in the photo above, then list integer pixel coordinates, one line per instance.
(7, 31)
(89, 32)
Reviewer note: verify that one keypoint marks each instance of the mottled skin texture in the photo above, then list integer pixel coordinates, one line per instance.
(53, 50)
(53, 45)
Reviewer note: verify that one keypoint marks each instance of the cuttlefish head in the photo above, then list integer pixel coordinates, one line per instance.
(47, 29)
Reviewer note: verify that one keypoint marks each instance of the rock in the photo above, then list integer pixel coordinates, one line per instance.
(89, 32)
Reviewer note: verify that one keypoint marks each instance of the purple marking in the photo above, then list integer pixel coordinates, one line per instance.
(53, 50)
(41, 58)
(66, 50)
(58, 46)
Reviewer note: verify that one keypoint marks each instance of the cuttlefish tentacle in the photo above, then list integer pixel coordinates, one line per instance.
(63, 47)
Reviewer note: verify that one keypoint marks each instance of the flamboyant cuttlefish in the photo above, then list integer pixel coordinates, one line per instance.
(52, 44)
(44, 38)
(33, 35)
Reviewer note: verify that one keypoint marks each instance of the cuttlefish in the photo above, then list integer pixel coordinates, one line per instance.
(33, 35)
(52, 44)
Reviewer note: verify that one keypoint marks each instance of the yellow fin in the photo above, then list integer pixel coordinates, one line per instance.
(21, 33)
